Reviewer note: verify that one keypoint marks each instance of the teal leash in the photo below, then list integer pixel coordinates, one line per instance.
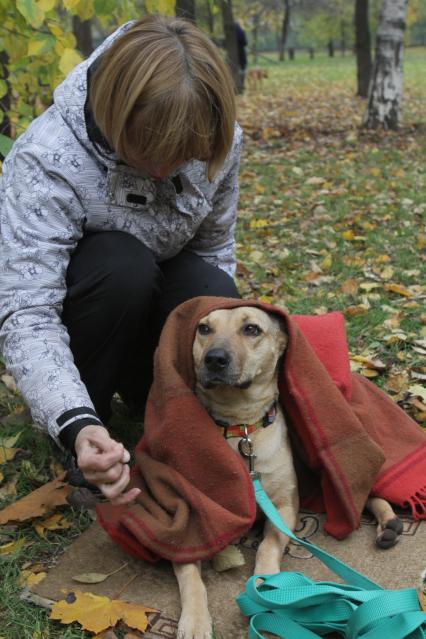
(294, 607)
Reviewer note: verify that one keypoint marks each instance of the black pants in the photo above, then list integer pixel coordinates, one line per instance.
(117, 302)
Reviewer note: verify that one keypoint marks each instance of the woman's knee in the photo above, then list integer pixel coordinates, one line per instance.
(188, 275)
(115, 264)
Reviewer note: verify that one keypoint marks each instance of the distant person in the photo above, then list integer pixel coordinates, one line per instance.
(242, 54)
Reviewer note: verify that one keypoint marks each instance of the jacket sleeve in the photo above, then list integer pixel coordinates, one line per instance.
(41, 222)
(215, 238)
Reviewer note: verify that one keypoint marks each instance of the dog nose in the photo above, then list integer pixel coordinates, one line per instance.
(217, 359)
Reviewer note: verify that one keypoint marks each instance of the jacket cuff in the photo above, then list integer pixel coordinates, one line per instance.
(73, 421)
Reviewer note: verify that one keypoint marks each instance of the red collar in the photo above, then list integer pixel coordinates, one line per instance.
(241, 430)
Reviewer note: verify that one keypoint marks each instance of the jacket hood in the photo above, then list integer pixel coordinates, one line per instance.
(71, 95)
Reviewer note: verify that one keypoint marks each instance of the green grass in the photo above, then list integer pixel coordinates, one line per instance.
(303, 124)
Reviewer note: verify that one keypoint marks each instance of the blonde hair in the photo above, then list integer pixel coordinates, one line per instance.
(163, 93)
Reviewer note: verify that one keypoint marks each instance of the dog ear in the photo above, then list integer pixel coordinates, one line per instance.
(282, 336)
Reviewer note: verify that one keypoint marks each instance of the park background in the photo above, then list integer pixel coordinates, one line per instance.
(331, 211)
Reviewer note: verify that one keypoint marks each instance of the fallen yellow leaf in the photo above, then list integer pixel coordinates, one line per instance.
(327, 262)
(374, 364)
(96, 577)
(38, 503)
(54, 522)
(7, 454)
(315, 181)
(400, 290)
(369, 286)
(396, 337)
(8, 489)
(397, 382)
(387, 273)
(421, 242)
(369, 372)
(418, 391)
(399, 173)
(9, 382)
(349, 287)
(29, 578)
(382, 259)
(348, 235)
(12, 546)
(96, 613)
(256, 256)
(9, 442)
(375, 171)
(354, 311)
(258, 223)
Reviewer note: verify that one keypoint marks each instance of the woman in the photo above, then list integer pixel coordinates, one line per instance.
(117, 204)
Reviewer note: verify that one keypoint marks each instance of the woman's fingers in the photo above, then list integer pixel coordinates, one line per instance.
(114, 489)
(109, 476)
(104, 462)
(126, 498)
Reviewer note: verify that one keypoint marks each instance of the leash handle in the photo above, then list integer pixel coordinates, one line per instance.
(292, 606)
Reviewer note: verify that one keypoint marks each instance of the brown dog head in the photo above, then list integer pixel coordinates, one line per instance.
(237, 347)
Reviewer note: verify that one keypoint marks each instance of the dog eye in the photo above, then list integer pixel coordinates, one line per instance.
(253, 330)
(204, 329)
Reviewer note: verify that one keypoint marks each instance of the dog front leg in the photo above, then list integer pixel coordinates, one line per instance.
(195, 620)
(271, 549)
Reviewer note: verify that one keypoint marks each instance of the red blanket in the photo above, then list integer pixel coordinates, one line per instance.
(349, 439)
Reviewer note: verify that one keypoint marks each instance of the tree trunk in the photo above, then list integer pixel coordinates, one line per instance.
(210, 17)
(284, 29)
(82, 30)
(342, 37)
(5, 101)
(384, 101)
(254, 34)
(185, 9)
(362, 47)
(231, 42)
(330, 47)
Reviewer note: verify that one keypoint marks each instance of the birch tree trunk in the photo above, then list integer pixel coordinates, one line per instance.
(384, 101)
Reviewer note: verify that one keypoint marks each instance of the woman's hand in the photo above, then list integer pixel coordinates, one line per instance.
(104, 463)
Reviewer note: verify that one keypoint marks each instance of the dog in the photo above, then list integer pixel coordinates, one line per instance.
(255, 76)
(237, 355)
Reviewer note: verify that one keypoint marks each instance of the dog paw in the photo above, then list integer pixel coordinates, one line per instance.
(230, 557)
(267, 568)
(390, 534)
(197, 626)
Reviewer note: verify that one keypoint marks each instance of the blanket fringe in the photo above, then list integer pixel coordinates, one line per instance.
(417, 503)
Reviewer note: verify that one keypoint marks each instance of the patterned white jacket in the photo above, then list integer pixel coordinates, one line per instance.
(56, 185)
